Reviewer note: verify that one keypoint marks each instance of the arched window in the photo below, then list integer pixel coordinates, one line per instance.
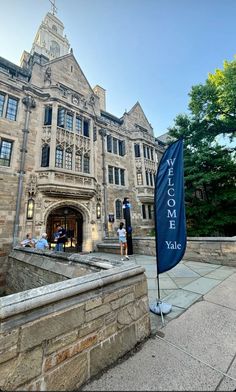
(45, 155)
(78, 161)
(118, 209)
(55, 49)
(59, 157)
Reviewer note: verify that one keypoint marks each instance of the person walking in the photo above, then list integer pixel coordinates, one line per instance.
(42, 243)
(122, 241)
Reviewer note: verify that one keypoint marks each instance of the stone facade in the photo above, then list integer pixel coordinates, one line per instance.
(58, 336)
(63, 158)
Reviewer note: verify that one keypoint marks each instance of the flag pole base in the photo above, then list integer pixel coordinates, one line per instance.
(160, 308)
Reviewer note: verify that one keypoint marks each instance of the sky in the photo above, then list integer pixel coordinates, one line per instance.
(150, 51)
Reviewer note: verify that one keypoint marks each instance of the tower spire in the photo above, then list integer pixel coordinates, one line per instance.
(53, 5)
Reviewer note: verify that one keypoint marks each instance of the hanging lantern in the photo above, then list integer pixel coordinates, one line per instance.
(30, 209)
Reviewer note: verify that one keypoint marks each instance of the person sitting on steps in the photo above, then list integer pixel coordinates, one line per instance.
(123, 241)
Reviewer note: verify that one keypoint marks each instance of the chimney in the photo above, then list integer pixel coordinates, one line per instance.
(101, 93)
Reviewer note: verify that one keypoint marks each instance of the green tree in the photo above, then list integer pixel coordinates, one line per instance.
(210, 168)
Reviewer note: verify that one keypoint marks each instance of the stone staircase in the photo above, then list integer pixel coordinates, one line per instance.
(109, 245)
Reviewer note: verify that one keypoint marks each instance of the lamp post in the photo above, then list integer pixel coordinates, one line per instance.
(128, 227)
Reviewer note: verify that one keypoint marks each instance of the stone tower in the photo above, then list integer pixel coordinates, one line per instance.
(49, 40)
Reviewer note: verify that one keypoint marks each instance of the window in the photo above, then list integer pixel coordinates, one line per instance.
(137, 151)
(109, 143)
(151, 178)
(139, 179)
(68, 159)
(78, 124)
(11, 109)
(116, 176)
(78, 162)
(55, 49)
(110, 174)
(118, 207)
(86, 164)
(5, 152)
(115, 145)
(147, 178)
(59, 157)
(61, 117)
(144, 211)
(121, 148)
(69, 121)
(2, 99)
(122, 177)
(152, 154)
(149, 211)
(144, 152)
(45, 156)
(86, 128)
(48, 115)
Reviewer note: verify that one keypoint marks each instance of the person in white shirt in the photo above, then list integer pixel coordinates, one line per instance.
(28, 242)
(123, 241)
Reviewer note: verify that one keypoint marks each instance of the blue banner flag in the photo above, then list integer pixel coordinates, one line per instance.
(169, 208)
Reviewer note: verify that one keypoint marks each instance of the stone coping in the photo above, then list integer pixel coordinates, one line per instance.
(216, 239)
(34, 298)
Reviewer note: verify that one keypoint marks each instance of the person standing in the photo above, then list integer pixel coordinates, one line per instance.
(61, 238)
(42, 243)
(123, 241)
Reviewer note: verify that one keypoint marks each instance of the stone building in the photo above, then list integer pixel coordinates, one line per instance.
(65, 159)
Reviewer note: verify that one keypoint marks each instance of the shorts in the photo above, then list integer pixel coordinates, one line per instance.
(122, 240)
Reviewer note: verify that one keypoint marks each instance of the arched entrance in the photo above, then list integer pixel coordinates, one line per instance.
(72, 221)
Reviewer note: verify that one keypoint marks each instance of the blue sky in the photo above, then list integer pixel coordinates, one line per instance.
(151, 51)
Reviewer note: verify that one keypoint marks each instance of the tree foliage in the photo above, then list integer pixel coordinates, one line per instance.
(210, 168)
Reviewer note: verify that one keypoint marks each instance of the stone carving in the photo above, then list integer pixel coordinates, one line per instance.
(32, 185)
(48, 75)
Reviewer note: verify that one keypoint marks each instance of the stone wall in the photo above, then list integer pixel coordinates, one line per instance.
(216, 250)
(58, 336)
(29, 268)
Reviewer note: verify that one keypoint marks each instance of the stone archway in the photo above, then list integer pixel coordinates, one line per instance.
(72, 220)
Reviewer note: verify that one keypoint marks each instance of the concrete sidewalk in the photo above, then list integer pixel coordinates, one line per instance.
(196, 349)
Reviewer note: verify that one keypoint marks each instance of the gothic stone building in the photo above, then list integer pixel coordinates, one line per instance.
(65, 159)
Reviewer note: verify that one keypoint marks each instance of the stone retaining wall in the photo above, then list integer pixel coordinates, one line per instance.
(216, 250)
(58, 336)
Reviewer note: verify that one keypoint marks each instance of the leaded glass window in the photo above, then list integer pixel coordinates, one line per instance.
(122, 177)
(59, 157)
(78, 124)
(5, 152)
(86, 164)
(69, 121)
(117, 176)
(11, 109)
(68, 160)
(110, 175)
(78, 162)
(2, 99)
(118, 209)
(45, 156)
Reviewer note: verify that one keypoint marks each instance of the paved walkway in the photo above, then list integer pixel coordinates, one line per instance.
(196, 349)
